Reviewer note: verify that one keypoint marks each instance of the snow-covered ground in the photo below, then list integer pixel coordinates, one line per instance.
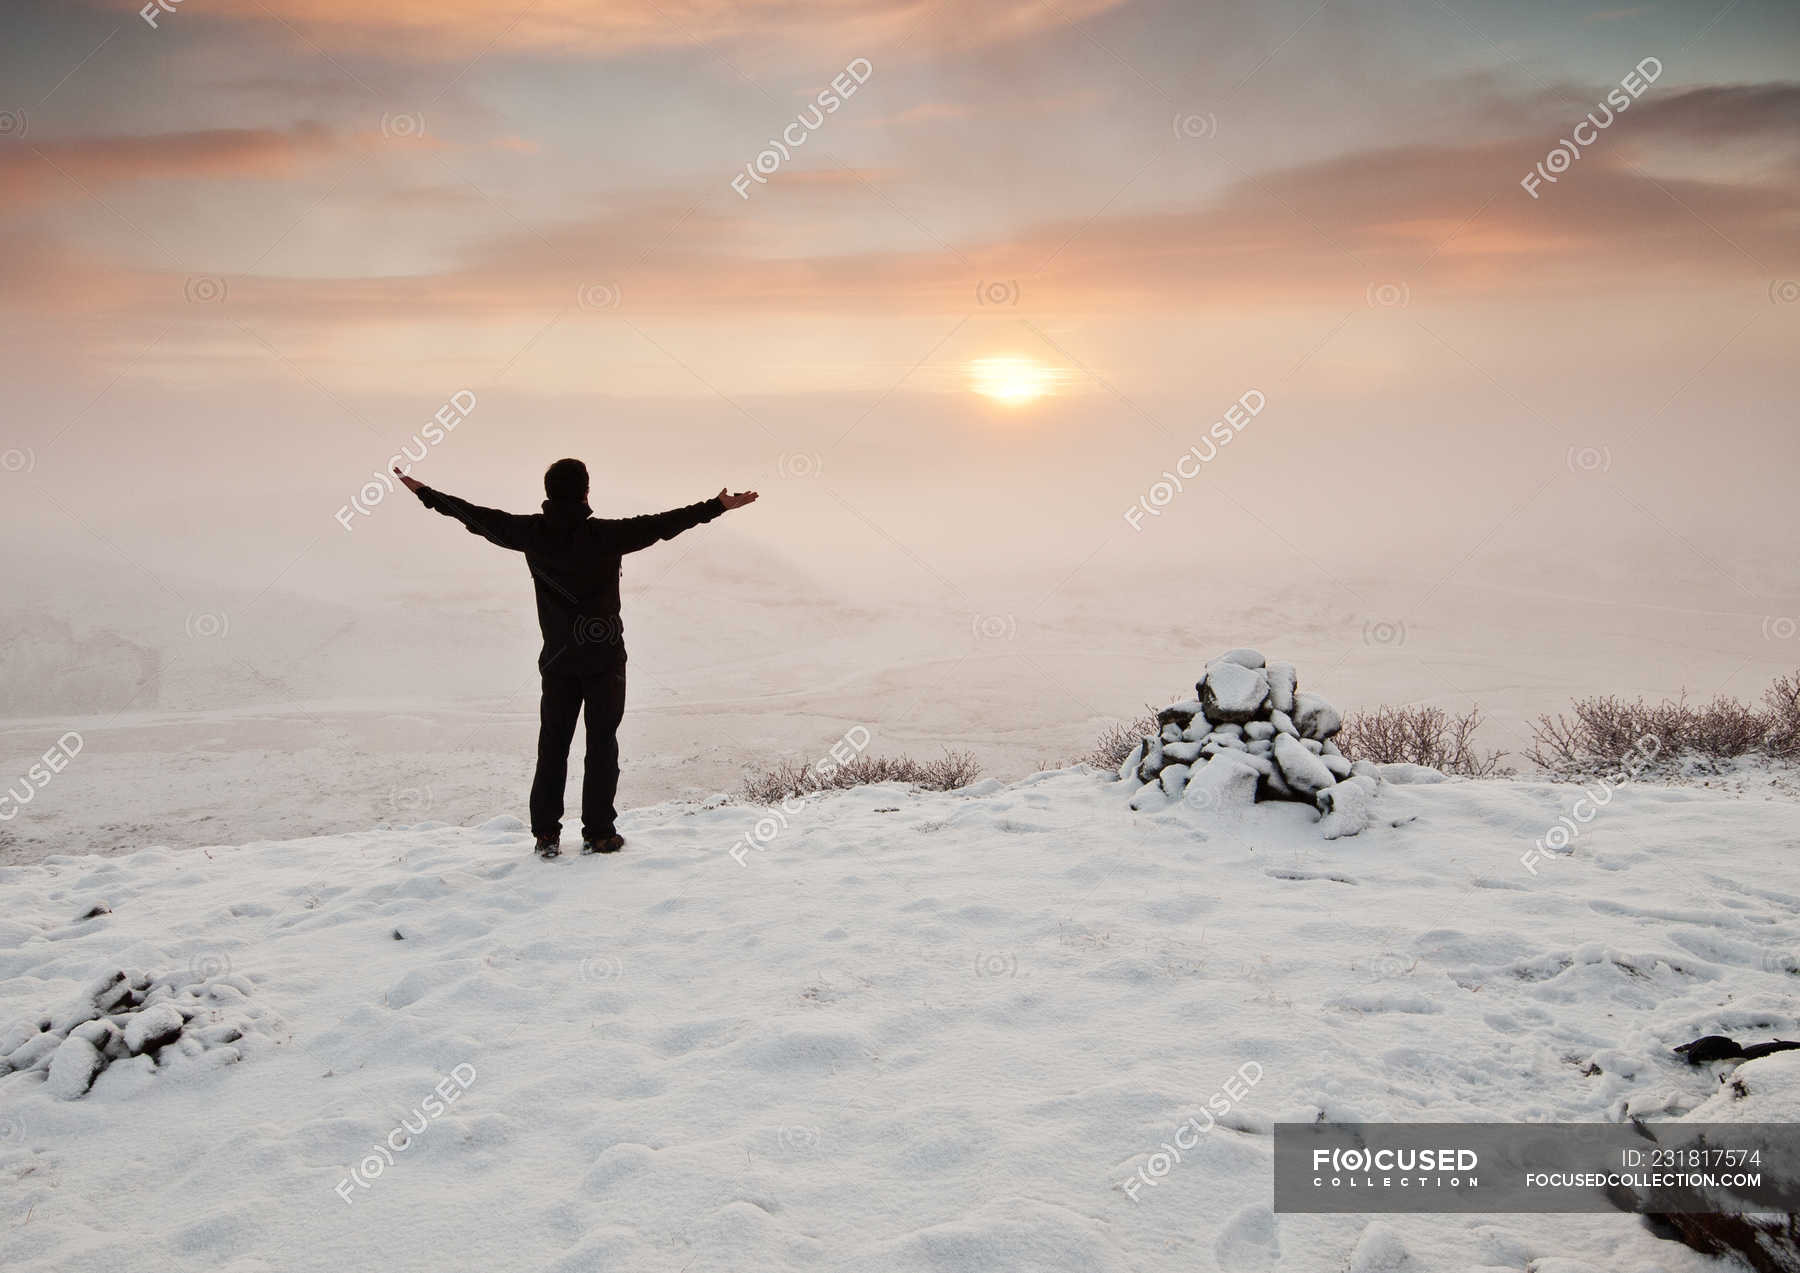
(912, 1032)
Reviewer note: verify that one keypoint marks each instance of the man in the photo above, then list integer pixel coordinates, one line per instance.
(574, 561)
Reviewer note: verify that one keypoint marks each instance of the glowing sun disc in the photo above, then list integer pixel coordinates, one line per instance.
(1010, 379)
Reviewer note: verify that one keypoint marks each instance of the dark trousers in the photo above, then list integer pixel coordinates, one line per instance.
(602, 694)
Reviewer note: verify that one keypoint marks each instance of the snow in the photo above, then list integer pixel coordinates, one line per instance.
(918, 1032)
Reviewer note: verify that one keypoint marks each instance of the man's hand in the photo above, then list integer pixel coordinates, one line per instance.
(736, 501)
(413, 484)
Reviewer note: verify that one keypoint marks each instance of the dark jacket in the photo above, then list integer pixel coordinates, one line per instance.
(574, 560)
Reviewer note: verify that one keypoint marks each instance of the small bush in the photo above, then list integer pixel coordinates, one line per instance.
(1420, 736)
(791, 779)
(1111, 748)
(1600, 733)
(1782, 709)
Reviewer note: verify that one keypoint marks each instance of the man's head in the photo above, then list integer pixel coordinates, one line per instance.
(566, 481)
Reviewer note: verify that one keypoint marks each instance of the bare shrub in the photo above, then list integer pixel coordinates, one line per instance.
(1605, 729)
(1420, 735)
(1781, 703)
(1600, 732)
(790, 779)
(1725, 728)
(1111, 748)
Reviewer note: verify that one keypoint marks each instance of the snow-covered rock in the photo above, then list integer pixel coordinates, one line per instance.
(1152, 763)
(1233, 693)
(35, 1052)
(1282, 680)
(145, 1015)
(1242, 657)
(1315, 717)
(1181, 713)
(1345, 807)
(1761, 1093)
(1181, 753)
(1150, 796)
(1221, 784)
(1242, 712)
(73, 1068)
(1302, 771)
(152, 1028)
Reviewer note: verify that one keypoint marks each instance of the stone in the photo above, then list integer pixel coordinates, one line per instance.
(35, 1052)
(1222, 784)
(1302, 771)
(1181, 713)
(1259, 730)
(1174, 778)
(1315, 717)
(1181, 753)
(1242, 657)
(1150, 796)
(1345, 808)
(16, 1035)
(1233, 693)
(1129, 768)
(1152, 762)
(1282, 681)
(74, 1068)
(153, 1028)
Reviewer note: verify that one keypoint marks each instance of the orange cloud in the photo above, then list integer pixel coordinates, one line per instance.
(1448, 222)
(31, 172)
(444, 28)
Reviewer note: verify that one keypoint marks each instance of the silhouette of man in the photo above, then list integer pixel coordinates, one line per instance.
(574, 560)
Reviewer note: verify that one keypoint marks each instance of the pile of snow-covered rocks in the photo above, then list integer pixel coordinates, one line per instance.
(131, 1019)
(1249, 734)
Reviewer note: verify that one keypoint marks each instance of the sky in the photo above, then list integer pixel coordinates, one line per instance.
(958, 287)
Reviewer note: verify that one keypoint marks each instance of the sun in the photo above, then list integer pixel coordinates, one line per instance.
(1011, 379)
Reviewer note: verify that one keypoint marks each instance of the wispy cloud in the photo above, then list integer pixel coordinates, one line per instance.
(571, 28)
(41, 170)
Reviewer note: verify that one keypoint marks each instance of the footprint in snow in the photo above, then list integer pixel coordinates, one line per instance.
(1248, 1240)
(1283, 873)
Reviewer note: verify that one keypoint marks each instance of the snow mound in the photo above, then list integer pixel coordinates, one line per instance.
(921, 1032)
(1250, 734)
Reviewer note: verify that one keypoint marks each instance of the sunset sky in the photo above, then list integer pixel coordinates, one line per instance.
(1013, 275)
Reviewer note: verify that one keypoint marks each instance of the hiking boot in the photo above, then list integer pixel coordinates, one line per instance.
(548, 846)
(606, 844)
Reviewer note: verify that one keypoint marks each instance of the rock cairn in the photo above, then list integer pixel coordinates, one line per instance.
(1251, 734)
(132, 1019)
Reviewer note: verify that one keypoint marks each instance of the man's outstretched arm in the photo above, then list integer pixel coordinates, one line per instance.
(629, 534)
(505, 529)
